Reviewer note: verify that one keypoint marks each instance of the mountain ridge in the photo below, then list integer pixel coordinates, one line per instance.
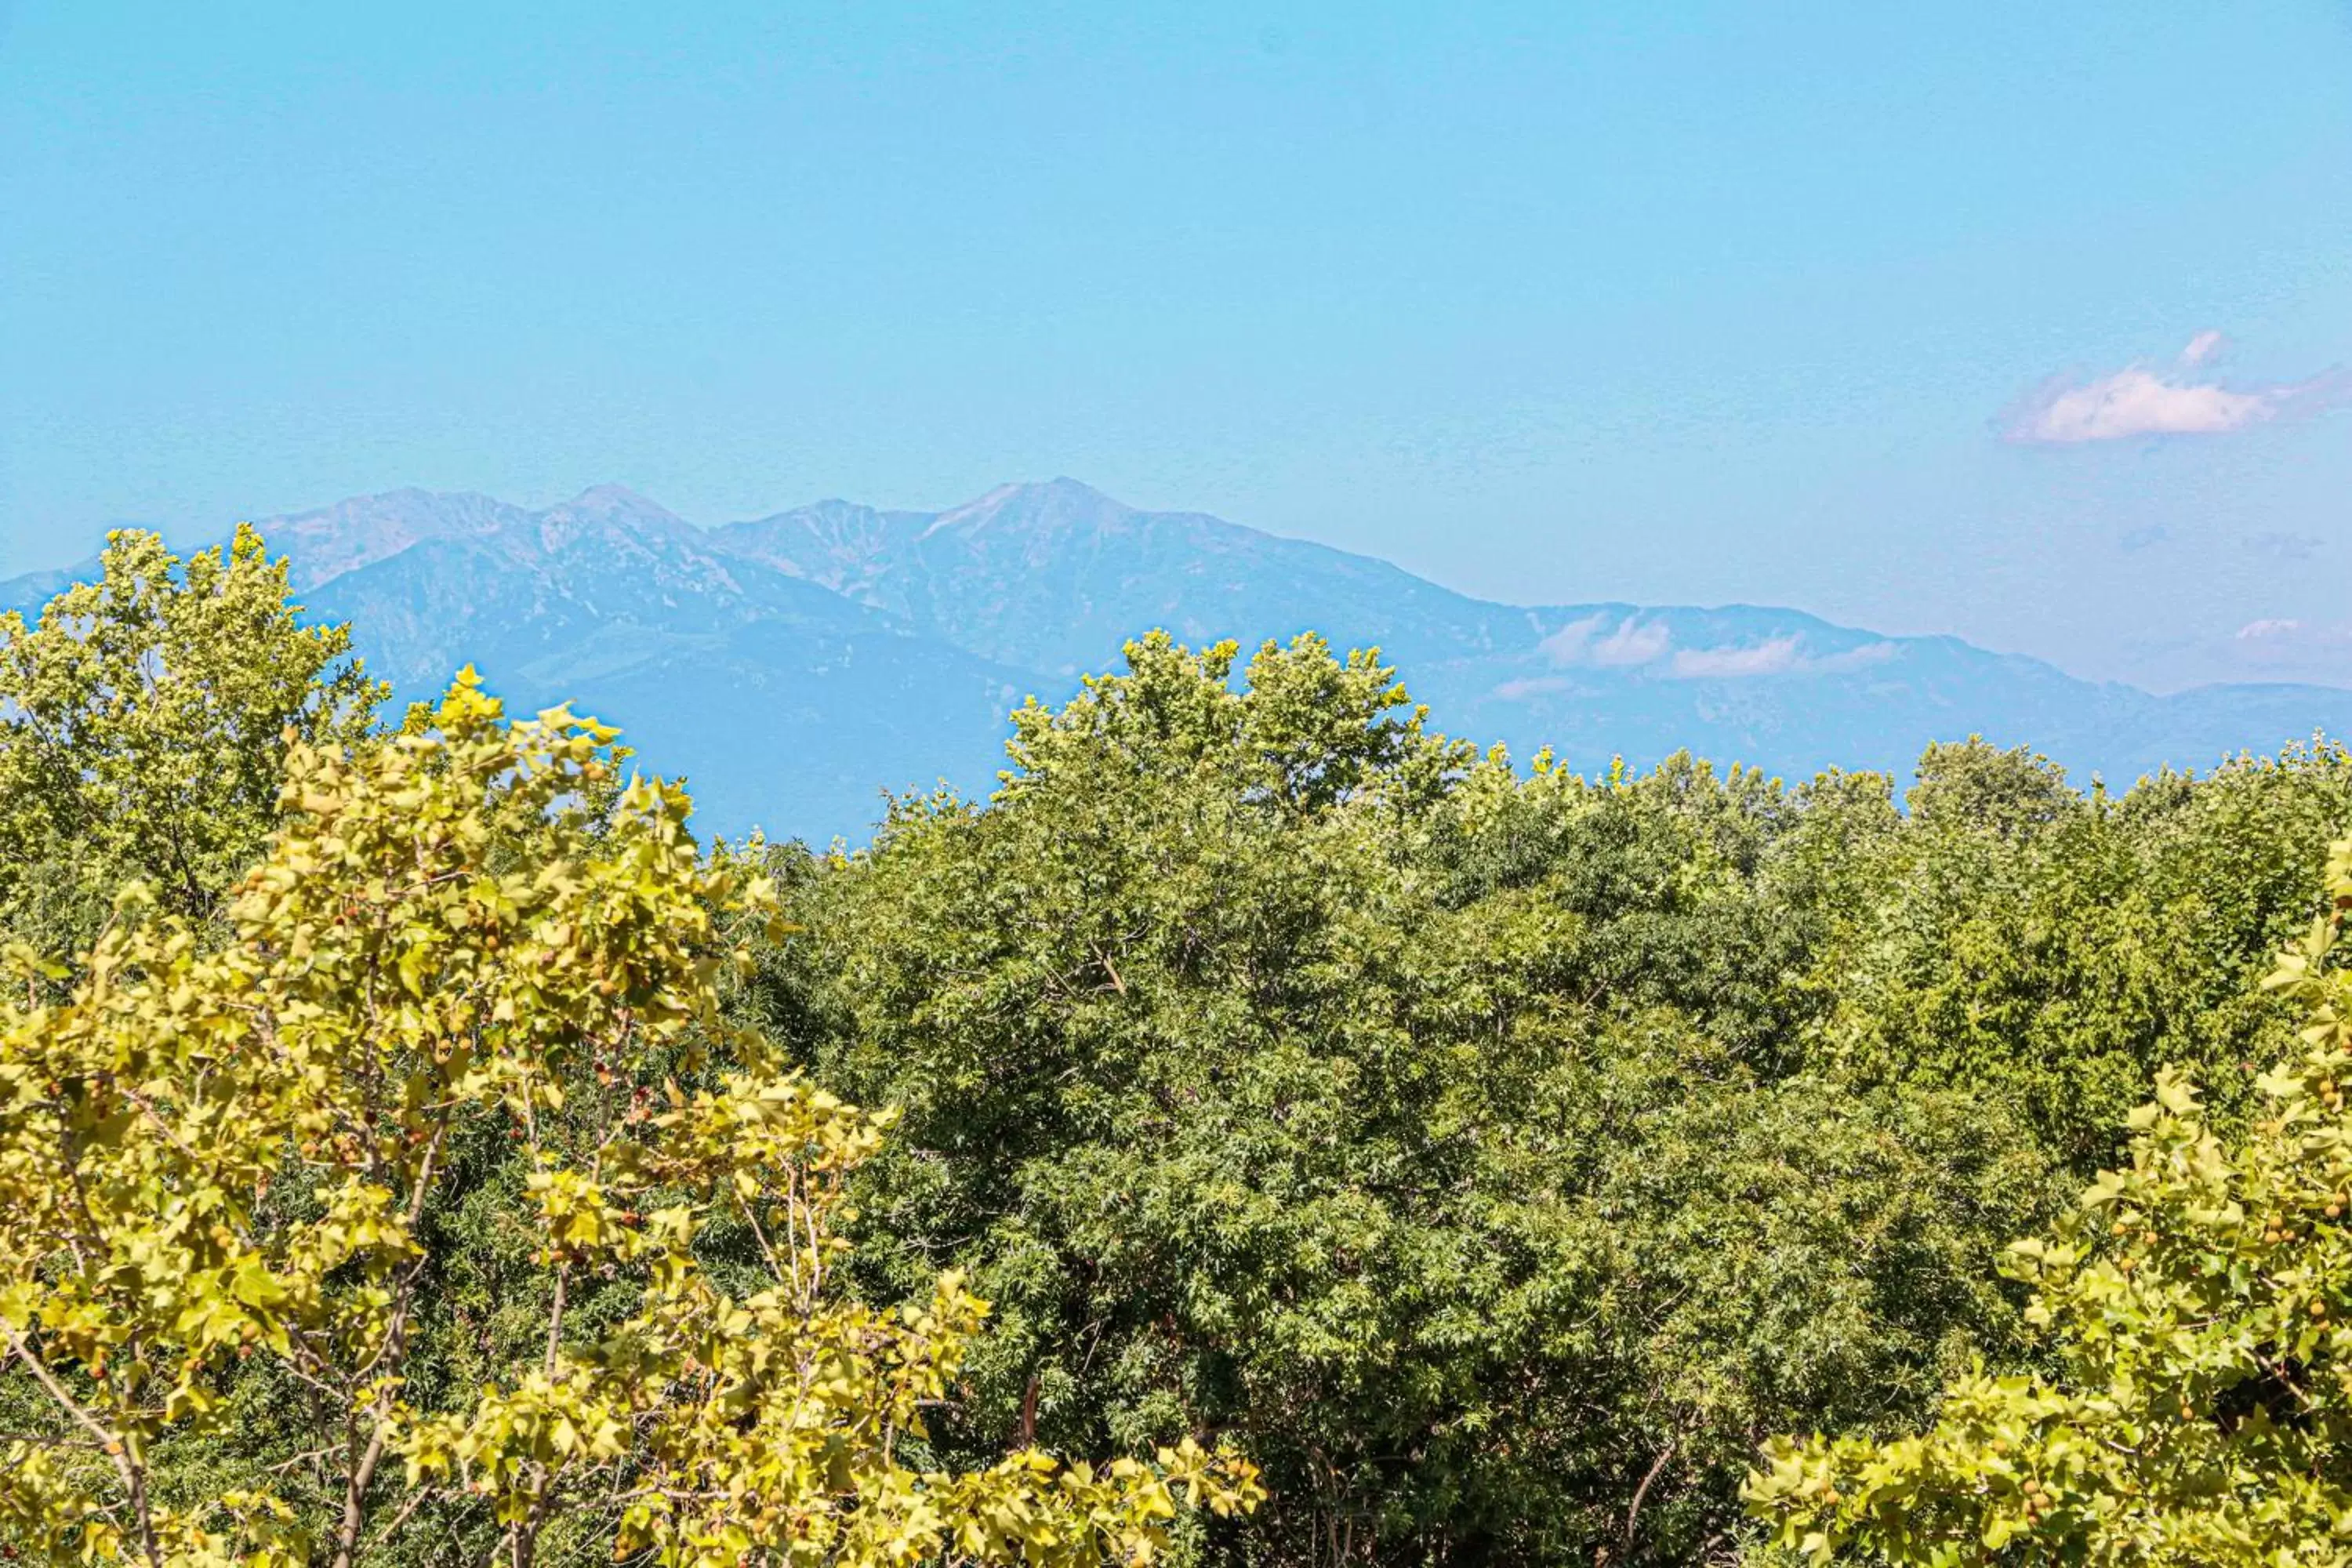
(793, 666)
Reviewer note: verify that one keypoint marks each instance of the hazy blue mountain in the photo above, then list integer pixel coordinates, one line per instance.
(1055, 577)
(1797, 694)
(794, 665)
(786, 705)
(1052, 576)
(29, 593)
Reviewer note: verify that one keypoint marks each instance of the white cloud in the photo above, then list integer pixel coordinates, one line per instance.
(2256, 631)
(1532, 686)
(1602, 642)
(1633, 642)
(2295, 649)
(1774, 657)
(1777, 656)
(2136, 402)
(1861, 657)
(2139, 400)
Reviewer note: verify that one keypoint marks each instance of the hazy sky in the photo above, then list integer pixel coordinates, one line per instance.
(2021, 321)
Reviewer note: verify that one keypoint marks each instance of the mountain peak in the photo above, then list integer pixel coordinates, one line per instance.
(617, 502)
(900, 638)
(1060, 502)
(359, 531)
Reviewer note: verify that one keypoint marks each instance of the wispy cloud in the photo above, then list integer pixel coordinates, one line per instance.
(2292, 635)
(2282, 647)
(1592, 642)
(2169, 400)
(1603, 642)
(1533, 686)
(2203, 346)
(1776, 655)
(2268, 630)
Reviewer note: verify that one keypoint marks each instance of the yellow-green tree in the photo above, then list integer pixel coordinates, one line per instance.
(2199, 1308)
(143, 719)
(219, 1159)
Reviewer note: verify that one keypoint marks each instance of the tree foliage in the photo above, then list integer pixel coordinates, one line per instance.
(1501, 1153)
(2054, 950)
(2198, 1300)
(1495, 1155)
(143, 719)
(219, 1170)
(1440, 1133)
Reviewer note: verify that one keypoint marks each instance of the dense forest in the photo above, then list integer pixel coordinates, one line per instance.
(1290, 1136)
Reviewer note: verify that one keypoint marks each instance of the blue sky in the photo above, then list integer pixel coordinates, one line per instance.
(1883, 312)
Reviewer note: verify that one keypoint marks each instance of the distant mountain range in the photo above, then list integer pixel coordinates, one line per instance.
(795, 666)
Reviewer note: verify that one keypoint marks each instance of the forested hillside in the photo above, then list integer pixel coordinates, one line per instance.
(1297, 1137)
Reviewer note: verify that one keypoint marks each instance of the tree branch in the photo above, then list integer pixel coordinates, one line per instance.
(133, 1478)
(1642, 1490)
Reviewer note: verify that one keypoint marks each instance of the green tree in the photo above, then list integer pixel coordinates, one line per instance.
(1279, 1068)
(220, 1165)
(143, 719)
(2198, 1303)
(2054, 950)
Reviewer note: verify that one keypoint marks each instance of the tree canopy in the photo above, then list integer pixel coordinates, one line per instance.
(417, 1149)
(143, 719)
(2197, 1300)
(222, 1166)
(1500, 1153)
